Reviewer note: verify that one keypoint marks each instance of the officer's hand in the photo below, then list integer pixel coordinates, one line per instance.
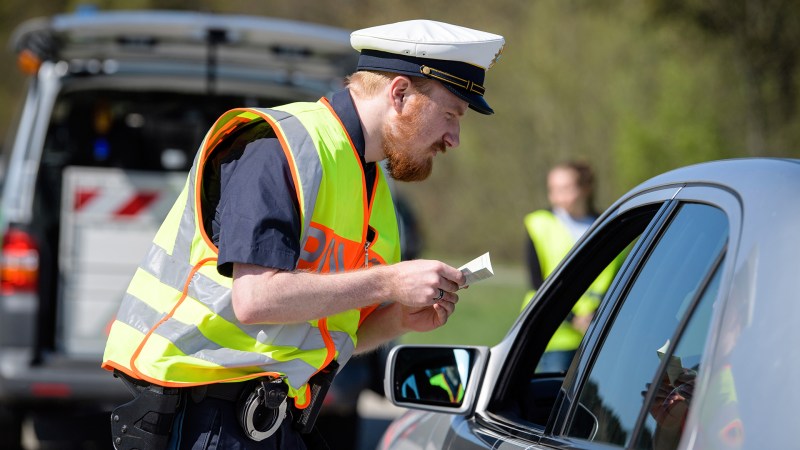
(420, 283)
(671, 402)
(426, 318)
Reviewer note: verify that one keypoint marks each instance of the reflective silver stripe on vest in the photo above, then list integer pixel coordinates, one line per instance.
(306, 160)
(171, 270)
(217, 299)
(189, 340)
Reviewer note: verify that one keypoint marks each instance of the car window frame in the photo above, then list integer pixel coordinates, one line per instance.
(652, 203)
(712, 195)
(668, 198)
(614, 310)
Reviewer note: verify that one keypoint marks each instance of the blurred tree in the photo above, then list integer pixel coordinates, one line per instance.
(679, 103)
(766, 37)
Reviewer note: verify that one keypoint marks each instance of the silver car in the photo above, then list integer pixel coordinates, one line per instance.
(691, 347)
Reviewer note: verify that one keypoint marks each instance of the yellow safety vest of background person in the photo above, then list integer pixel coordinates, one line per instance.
(176, 326)
(553, 241)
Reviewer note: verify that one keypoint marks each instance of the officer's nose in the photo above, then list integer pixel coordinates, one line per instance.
(451, 138)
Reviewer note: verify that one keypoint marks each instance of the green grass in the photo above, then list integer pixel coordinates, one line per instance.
(484, 313)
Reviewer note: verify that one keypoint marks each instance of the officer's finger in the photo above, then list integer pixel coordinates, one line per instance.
(446, 296)
(444, 310)
(448, 285)
(453, 275)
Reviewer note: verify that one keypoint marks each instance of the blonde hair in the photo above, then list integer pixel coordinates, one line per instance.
(368, 83)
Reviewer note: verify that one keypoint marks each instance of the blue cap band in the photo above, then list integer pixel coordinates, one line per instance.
(462, 79)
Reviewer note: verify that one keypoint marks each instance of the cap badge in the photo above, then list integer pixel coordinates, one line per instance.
(496, 57)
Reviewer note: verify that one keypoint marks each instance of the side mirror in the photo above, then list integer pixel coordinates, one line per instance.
(435, 378)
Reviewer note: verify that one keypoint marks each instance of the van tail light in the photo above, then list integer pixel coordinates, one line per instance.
(19, 263)
(28, 62)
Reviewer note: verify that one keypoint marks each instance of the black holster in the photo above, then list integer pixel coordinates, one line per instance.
(319, 384)
(144, 423)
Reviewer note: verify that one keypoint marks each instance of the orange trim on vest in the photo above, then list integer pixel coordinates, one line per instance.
(365, 312)
(330, 346)
(289, 158)
(307, 396)
(353, 251)
(108, 365)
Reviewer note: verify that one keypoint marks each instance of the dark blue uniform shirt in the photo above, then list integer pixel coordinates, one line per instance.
(257, 219)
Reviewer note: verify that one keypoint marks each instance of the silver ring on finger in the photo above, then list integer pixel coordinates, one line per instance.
(441, 294)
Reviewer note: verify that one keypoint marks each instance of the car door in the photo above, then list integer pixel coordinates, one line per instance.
(647, 340)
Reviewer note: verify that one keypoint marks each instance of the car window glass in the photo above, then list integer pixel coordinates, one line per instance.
(563, 345)
(672, 395)
(649, 315)
(537, 370)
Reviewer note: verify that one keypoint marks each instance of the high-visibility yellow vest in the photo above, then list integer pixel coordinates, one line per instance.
(553, 241)
(725, 428)
(443, 381)
(176, 326)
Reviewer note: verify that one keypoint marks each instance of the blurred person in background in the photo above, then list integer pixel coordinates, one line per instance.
(551, 234)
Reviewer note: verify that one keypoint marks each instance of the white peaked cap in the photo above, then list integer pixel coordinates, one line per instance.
(431, 39)
(456, 56)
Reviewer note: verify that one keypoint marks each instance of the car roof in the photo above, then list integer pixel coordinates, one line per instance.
(743, 174)
(181, 37)
(764, 187)
(768, 193)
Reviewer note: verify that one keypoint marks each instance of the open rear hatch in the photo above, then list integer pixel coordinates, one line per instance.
(302, 55)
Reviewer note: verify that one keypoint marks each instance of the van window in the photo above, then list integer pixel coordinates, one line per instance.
(132, 130)
(152, 131)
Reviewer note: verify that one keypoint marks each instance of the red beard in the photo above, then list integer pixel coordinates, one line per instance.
(403, 163)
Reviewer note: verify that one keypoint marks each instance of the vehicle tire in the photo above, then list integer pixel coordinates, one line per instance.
(11, 428)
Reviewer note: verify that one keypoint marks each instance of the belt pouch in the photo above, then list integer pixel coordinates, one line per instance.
(145, 423)
(319, 384)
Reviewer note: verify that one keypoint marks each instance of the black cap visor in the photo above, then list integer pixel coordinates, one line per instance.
(462, 79)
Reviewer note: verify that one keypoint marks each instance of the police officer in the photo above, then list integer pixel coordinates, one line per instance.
(280, 259)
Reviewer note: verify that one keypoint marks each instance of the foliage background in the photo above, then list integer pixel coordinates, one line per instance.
(635, 87)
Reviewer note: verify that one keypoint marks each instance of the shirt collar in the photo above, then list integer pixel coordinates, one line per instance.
(343, 106)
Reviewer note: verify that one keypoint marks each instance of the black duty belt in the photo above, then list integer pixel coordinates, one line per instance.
(136, 385)
(261, 406)
(231, 392)
(222, 391)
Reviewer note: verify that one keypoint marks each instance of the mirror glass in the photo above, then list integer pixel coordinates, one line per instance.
(432, 376)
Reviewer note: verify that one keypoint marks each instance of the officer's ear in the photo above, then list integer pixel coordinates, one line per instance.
(399, 90)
